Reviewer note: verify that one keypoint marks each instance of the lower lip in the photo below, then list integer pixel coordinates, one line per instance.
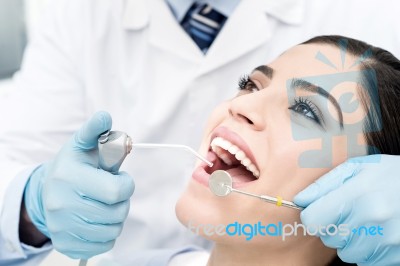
(201, 176)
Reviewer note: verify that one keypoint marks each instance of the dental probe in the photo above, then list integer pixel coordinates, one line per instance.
(220, 183)
(173, 146)
(114, 146)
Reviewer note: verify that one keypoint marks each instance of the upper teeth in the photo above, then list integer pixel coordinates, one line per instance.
(234, 150)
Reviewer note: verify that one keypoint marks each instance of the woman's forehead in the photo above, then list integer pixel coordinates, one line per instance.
(319, 66)
(314, 59)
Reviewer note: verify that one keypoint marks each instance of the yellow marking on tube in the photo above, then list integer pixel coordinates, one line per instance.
(279, 202)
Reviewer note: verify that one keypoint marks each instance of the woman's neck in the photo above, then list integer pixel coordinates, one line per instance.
(307, 254)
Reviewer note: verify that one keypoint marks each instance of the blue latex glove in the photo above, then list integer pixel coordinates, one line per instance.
(79, 207)
(363, 191)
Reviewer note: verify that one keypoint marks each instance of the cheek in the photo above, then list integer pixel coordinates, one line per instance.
(284, 173)
(208, 207)
(217, 116)
(282, 154)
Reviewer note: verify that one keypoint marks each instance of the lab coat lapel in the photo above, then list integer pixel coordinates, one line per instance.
(167, 34)
(248, 28)
(245, 30)
(164, 32)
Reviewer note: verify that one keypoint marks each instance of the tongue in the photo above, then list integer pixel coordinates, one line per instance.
(240, 174)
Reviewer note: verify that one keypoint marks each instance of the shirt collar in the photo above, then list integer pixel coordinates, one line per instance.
(288, 11)
(180, 7)
(136, 15)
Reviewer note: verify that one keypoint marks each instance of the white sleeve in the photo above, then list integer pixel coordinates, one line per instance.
(12, 251)
(42, 111)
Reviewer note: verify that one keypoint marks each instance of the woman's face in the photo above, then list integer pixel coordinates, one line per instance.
(294, 120)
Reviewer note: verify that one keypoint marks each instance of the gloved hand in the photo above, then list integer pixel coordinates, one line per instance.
(79, 207)
(363, 191)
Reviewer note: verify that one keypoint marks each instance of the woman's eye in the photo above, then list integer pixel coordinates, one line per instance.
(246, 84)
(306, 108)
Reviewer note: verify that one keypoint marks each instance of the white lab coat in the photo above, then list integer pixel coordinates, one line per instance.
(131, 58)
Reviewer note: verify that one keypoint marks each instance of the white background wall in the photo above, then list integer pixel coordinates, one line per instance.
(33, 9)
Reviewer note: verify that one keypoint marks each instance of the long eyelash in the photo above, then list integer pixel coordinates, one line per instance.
(309, 104)
(243, 80)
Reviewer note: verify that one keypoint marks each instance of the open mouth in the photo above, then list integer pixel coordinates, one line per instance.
(229, 157)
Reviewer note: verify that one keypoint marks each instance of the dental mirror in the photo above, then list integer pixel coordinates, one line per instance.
(220, 184)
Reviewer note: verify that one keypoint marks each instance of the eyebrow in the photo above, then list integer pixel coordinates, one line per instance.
(266, 70)
(307, 86)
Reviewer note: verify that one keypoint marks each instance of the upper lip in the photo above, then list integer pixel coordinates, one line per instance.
(235, 139)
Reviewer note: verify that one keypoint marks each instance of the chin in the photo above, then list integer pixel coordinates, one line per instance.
(194, 212)
(198, 204)
(182, 210)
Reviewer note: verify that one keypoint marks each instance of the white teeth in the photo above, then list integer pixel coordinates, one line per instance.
(215, 141)
(225, 144)
(246, 162)
(252, 168)
(234, 150)
(224, 157)
(213, 147)
(240, 155)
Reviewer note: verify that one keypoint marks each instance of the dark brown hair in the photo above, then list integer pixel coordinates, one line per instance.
(381, 90)
(380, 95)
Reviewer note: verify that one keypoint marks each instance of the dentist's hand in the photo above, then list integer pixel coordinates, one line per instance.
(363, 191)
(79, 207)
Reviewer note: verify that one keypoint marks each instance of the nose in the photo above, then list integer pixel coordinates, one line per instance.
(248, 109)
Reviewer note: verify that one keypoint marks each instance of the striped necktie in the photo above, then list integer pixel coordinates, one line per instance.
(203, 23)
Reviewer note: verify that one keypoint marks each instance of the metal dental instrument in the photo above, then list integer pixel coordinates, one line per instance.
(114, 146)
(220, 183)
(173, 146)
